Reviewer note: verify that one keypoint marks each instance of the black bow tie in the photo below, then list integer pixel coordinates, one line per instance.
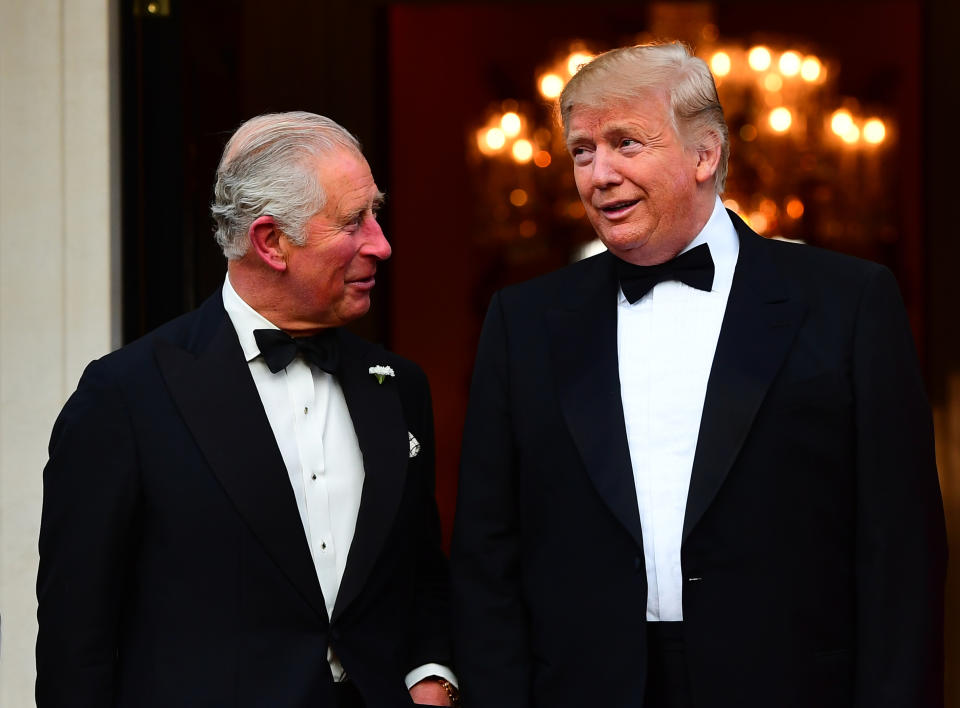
(695, 268)
(279, 348)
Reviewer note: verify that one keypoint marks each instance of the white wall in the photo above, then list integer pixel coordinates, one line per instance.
(59, 277)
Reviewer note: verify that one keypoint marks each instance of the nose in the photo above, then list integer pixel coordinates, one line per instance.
(375, 243)
(605, 172)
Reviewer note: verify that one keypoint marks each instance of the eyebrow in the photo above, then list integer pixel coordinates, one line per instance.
(617, 129)
(375, 204)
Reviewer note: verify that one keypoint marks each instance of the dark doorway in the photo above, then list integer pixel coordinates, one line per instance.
(191, 73)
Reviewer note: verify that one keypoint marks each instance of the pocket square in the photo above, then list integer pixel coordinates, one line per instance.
(414, 445)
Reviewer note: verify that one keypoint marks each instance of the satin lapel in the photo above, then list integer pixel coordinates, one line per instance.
(759, 326)
(583, 339)
(378, 420)
(220, 405)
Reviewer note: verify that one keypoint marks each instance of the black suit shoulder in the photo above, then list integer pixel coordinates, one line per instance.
(559, 286)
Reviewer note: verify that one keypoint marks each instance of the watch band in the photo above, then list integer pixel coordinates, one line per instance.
(453, 692)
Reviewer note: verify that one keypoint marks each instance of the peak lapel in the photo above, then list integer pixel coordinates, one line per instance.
(759, 325)
(219, 403)
(583, 339)
(381, 430)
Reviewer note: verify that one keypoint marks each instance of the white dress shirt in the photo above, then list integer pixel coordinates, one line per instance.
(666, 341)
(310, 420)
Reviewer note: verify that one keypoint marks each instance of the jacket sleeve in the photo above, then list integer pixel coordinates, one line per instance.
(900, 535)
(491, 644)
(90, 494)
(430, 630)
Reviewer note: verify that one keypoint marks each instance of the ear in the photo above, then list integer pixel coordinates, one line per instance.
(708, 159)
(268, 243)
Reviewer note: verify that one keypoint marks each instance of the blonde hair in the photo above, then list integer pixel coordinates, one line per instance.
(629, 73)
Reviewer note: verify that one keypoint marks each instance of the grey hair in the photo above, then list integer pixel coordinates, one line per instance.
(268, 168)
(629, 73)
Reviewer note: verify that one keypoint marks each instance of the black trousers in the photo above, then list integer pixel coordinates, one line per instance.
(668, 682)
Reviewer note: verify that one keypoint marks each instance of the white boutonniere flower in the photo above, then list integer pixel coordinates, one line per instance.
(381, 372)
(414, 445)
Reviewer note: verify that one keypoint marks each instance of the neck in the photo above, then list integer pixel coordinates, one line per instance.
(697, 218)
(261, 289)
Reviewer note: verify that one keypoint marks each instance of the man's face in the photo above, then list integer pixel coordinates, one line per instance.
(328, 280)
(638, 183)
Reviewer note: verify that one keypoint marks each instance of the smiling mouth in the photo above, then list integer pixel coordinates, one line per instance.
(367, 282)
(615, 209)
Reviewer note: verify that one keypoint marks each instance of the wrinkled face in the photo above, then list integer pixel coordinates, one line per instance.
(638, 182)
(329, 278)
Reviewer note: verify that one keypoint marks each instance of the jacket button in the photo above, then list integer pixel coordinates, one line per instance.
(335, 634)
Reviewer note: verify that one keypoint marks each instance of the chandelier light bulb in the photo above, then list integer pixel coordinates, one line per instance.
(790, 63)
(851, 135)
(811, 69)
(720, 64)
(780, 119)
(874, 131)
(550, 85)
(576, 60)
(759, 58)
(495, 138)
(510, 123)
(522, 150)
(840, 122)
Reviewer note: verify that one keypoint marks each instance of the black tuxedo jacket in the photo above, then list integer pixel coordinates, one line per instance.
(174, 568)
(813, 551)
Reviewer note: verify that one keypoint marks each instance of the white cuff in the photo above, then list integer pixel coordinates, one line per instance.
(421, 672)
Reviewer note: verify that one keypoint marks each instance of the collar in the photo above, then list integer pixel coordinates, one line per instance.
(244, 319)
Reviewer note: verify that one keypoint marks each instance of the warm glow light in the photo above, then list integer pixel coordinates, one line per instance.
(510, 124)
(522, 150)
(789, 63)
(518, 197)
(772, 82)
(495, 138)
(576, 60)
(759, 58)
(780, 119)
(851, 134)
(575, 210)
(794, 208)
(528, 228)
(550, 85)
(810, 69)
(758, 222)
(542, 159)
(748, 133)
(768, 208)
(874, 131)
(731, 204)
(841, 121)
(720, 64)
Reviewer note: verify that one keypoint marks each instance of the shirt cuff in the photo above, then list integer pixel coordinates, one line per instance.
(422, 672)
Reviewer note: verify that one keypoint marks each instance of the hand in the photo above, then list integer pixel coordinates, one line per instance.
(429, 692)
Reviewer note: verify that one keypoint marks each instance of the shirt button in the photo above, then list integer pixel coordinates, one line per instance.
(313, 476)
(305, 409)
(323, 545)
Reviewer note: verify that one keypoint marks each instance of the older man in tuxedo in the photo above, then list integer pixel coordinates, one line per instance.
(698, 468)
(238, 508)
